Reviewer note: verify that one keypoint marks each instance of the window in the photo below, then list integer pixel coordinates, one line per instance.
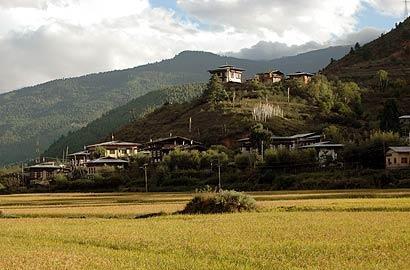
(395, 160)
(389, 161)
(404, 160)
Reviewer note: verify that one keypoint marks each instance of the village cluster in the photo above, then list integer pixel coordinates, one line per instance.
(116, 154)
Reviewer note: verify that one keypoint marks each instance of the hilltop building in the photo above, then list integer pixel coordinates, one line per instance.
(306, 77)
(398, 157)
(270, 77)
(228, 73)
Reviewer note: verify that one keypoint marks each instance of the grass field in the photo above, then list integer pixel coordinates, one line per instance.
(292, 230)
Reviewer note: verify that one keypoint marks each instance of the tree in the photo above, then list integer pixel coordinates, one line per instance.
(260, 135)
(98, 152)
(357, 46)
(320, 89)
(215, 91)
(389, 118)
(383, 77)
(334, 134)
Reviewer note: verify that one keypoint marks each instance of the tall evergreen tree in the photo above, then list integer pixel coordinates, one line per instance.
(215, 91)
(389, 118)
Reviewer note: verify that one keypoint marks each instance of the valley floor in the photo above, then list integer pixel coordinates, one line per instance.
(361, 229)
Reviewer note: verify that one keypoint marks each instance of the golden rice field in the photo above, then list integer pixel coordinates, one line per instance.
(292, 230)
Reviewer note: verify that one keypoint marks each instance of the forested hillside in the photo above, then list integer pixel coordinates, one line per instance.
(32, 118)
(114, 119)
(390, 52)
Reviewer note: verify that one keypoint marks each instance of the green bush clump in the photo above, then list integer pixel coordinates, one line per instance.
(221, 202)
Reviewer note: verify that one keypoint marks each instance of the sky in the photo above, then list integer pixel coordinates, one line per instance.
(42, 40)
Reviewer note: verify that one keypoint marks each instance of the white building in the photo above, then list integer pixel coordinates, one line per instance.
(228, 73)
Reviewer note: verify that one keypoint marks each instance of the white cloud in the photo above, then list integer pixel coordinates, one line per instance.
(291, 21)
(48, 39)
(388, 7)
(272, 50)
(363, 36)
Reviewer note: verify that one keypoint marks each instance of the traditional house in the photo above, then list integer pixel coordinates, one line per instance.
(280, 142)
(162, 147)
(270, 77)
(326, 151)
(115, 149)
(295, 141)
(44, 171)
(79, 158)
(398, 157)
(104, 163)
(405, 125)
(304, 76)
(228, 73)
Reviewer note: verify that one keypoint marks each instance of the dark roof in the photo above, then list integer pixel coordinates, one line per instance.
(272, 71)
(224, 68)
(172, 138)
(301, 74)
(81, 153)
(297, 136)
(400, 149)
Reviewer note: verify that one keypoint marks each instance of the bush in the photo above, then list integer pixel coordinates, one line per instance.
(222, 202)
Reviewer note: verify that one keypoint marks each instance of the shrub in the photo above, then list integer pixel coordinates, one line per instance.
(222, 202)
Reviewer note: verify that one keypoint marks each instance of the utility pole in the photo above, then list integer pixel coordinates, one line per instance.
(190, 124)
(288, 94)
(262, 150)
(146, 177)
(219, 175)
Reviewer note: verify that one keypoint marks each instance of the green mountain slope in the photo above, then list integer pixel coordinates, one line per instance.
(114, 119)
(390, 52)
(32, 118)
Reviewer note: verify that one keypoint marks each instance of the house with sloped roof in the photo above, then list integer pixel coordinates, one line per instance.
(104, 163)
(398, 157)
(114, 149)
(327, 152)
(295, 141)
(305, 77)
(228, 73)
(270, 77)
(79, 158)
(163, 146)
(44, 171)
(405, 125)
(283, 142)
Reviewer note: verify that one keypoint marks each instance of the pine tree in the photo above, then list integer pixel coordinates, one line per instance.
(215, 91)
